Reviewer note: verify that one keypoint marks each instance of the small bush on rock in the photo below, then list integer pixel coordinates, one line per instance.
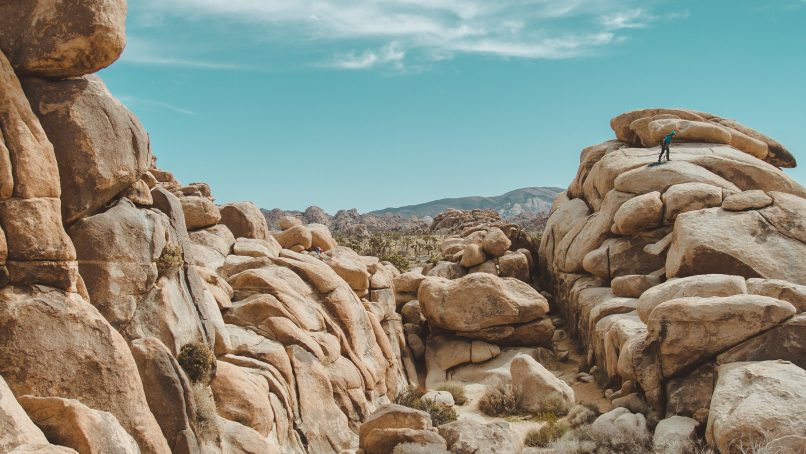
(440, 413)
(456, 390)
(170, 259)
(538, 438)
(498, 400)
(198, 361)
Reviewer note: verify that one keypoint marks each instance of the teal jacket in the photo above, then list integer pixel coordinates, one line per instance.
(668, 139)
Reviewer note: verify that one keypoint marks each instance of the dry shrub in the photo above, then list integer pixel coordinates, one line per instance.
(538, 438)
(586, 441)
(457, 390)
(440, 413)
(170, 259)
(198, 362)
(498, 400)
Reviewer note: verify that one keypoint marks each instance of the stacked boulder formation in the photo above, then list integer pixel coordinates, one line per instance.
(136, 314)
(686, 280)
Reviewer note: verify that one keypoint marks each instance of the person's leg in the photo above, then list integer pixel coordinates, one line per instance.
(668, 152)
(662, 149)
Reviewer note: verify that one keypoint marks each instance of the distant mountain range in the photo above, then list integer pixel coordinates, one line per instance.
(528, 207)
(509, 205)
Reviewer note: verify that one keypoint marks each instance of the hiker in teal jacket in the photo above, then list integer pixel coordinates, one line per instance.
(664, 146)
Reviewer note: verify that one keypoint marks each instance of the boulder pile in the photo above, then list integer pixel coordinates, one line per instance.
(681, 277)
(136, 314)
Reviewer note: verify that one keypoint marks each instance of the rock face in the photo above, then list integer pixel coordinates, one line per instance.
(538, 390)
(669, 271)
(757, 402)
(62, 38)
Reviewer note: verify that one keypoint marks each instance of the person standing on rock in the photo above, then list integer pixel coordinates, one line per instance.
(664, 146)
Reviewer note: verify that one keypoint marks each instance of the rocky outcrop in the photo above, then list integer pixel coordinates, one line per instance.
(668, 272)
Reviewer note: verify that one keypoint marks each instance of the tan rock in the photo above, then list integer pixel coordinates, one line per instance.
(286, 222)
(70, 423)
(690, 395)
(747, 200)
(239, 439)
(643, 212)
(587, 159)
(78, 343)
(321, 237)
(139, 193)
(538, 390)
(472, 255)
(351, 269)
(63, 39)
(218, 237)
(705, 285)
(515, 265)
(561, 221)
(778, 289)
(478, 301)
(624, 256)
(786, 341)
(244, 219)
(256, 248)
(744, 244)
(200, 212)
(467, 436)
(723, 321)
(633, 285)
(675, 435)
(381, 441)
(295, 236)
(646, 179)
(408, 282)
(34, 231)
(756, 402)
(496, 242)
(777, 155)
(680, 198)
(100, 146)
(243, 397)
(621, 124)
(16, 428)
(447, 270)
(445, 352)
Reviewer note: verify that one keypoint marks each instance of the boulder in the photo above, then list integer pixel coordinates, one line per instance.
(61, 39)
(439, 397)
(16, 428)
(200, 212)
(391, 425)
(448, 270)
(633, 285)
(244, 219)
(681, 325)
(646, 179)
(78, 343)
(444, 352)
(684, 197)
(351, 269)
(33, 230)
(745, 244)
(690, 395)
(675, 435)
(513, 264)
(100, 145)
(705, 285)
(756, 402)
(139, 193)
(496, 243)
(243, 397)
(479, 301)
(237, 438)
(620, 422)
(747, 200)
(786, 341)
(321, 237)
(778, 289)
(408, 282)
(411, 313)
(472, 255)
(251, 247)
(537, 390)
(295, 236)
(643, 212)
(286, 222)
(70, 423)
(467, 436)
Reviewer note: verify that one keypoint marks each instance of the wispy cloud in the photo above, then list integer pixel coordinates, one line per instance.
(135, 101)
(143, 52)
(392, 33)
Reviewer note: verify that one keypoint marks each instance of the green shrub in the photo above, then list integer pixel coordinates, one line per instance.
(498, 400)
(456, 390)
(170, 259)
(198, 361)
(538, 438)
(398, 260)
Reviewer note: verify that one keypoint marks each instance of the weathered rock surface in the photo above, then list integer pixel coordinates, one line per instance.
(70, 423)
(470, 437)
(62, 38)
(757, 402)
(244, 219)
(537, 389)
(100, 146)
(479, 301)
(16, 427)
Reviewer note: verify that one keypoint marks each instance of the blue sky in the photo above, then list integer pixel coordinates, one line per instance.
(370, 104)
